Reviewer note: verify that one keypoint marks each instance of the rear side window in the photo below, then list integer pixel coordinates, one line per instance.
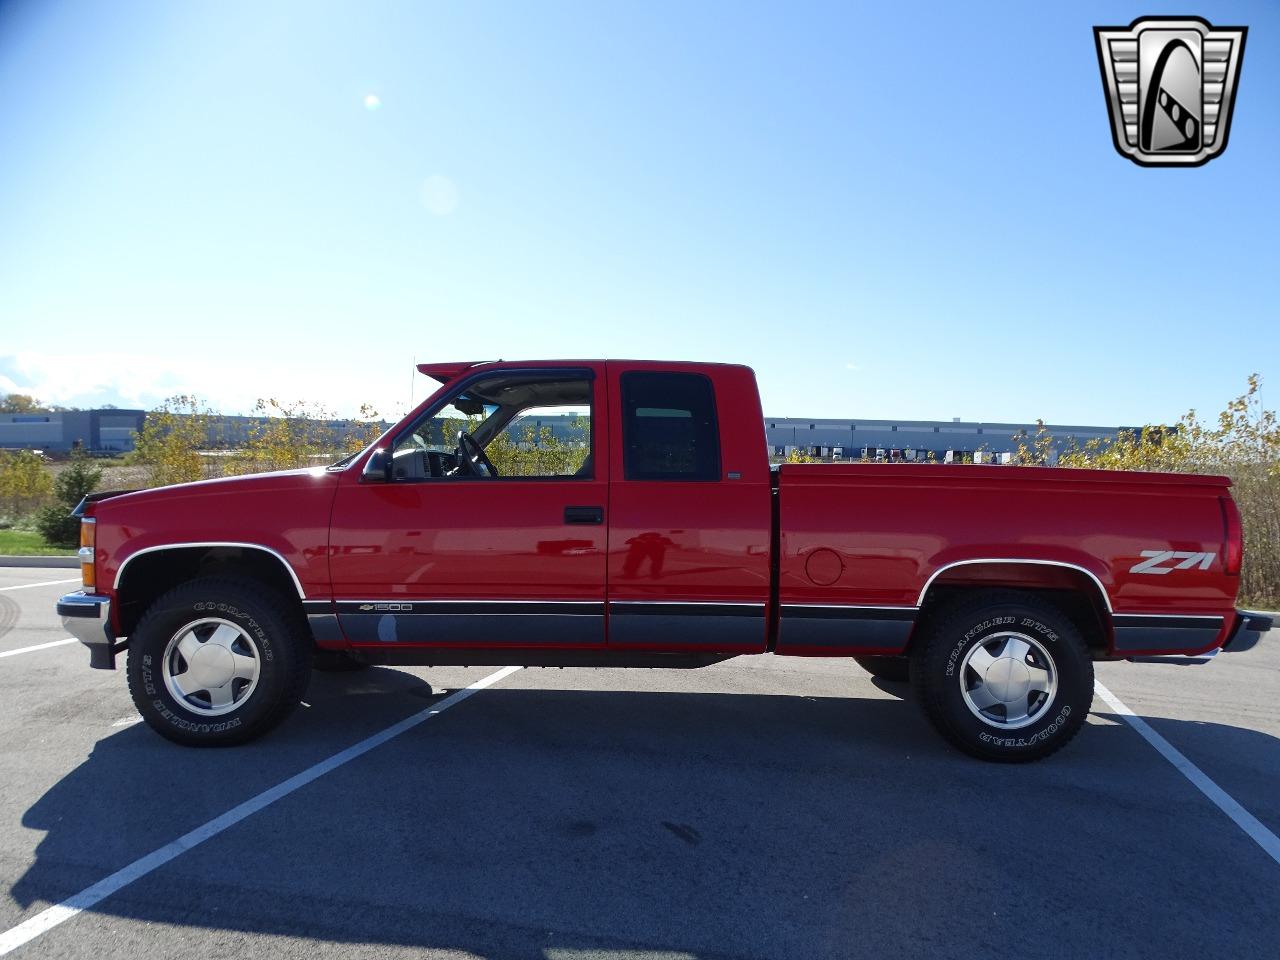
(669, 429)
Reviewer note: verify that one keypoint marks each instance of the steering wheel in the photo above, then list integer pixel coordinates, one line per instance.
(472, 454)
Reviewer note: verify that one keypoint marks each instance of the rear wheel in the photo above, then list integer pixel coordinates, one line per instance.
(1004, 675)
(218, 661)
(896, 669)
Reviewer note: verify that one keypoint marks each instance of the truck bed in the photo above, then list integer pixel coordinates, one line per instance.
(861, 545)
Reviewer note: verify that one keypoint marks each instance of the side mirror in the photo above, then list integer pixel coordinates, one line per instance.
(377, 469)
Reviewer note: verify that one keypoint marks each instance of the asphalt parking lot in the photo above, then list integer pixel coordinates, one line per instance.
(761, 808)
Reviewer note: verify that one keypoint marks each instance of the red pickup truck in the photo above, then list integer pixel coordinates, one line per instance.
(624, 513)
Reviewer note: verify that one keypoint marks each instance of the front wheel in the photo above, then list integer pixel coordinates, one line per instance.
(1003, 675)
(217, 661)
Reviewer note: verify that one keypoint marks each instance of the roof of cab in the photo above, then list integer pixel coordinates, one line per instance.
(444, 372)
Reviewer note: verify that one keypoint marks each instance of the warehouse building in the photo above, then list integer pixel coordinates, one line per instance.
(111, 430)
(96, 431)
(945, 441)
(906, 441)
(949, 441)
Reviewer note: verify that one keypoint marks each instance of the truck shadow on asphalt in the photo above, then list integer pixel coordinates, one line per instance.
(561, 823)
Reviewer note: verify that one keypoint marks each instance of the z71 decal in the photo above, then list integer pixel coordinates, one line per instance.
(1161, 561)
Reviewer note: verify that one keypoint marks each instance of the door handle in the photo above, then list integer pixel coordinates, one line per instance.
(592, 515)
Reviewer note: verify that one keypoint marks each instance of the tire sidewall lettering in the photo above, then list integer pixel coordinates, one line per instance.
(246, 620)
(193, 727)
(148, 683)
(957, 652)
(1044, 734)
(1045, 632)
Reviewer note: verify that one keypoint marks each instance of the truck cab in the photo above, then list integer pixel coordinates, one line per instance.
(655, 518)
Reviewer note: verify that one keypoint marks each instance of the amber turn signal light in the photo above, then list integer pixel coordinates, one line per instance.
(88, 541)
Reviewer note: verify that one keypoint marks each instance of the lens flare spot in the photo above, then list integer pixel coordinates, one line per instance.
(440, 195)
(372, 101)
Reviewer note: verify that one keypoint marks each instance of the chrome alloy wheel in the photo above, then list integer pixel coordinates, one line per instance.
(211, 666)
(1008, 680)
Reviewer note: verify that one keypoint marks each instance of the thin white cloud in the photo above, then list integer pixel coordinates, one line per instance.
(229, 385)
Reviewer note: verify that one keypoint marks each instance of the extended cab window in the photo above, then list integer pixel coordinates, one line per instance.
(669, 429)
(506, 426)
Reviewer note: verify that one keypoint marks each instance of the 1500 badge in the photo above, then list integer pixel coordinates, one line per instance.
(1162, 561)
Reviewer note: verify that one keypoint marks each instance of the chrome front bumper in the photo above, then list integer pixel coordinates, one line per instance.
(87, 617)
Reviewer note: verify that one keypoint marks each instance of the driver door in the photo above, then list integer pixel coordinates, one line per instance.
(444, 554)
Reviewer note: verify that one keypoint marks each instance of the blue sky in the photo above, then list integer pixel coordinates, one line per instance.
(889, 210)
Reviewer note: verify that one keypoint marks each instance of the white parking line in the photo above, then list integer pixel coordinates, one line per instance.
(43, 583)
(60, 913)
(38, 646)
(1246, 821)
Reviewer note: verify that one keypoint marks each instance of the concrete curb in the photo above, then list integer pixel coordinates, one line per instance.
(70, 562)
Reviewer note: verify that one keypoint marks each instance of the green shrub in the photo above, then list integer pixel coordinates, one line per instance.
(24, 483)
(55, 523)
(287, 436)
(171, 439)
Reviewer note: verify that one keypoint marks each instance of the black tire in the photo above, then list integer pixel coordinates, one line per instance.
(337, 661)
(946, 683)
(895, 669)
(270, 631)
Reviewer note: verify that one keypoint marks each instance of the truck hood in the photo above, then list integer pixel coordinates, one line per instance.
(270, 480)
(284, 513)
